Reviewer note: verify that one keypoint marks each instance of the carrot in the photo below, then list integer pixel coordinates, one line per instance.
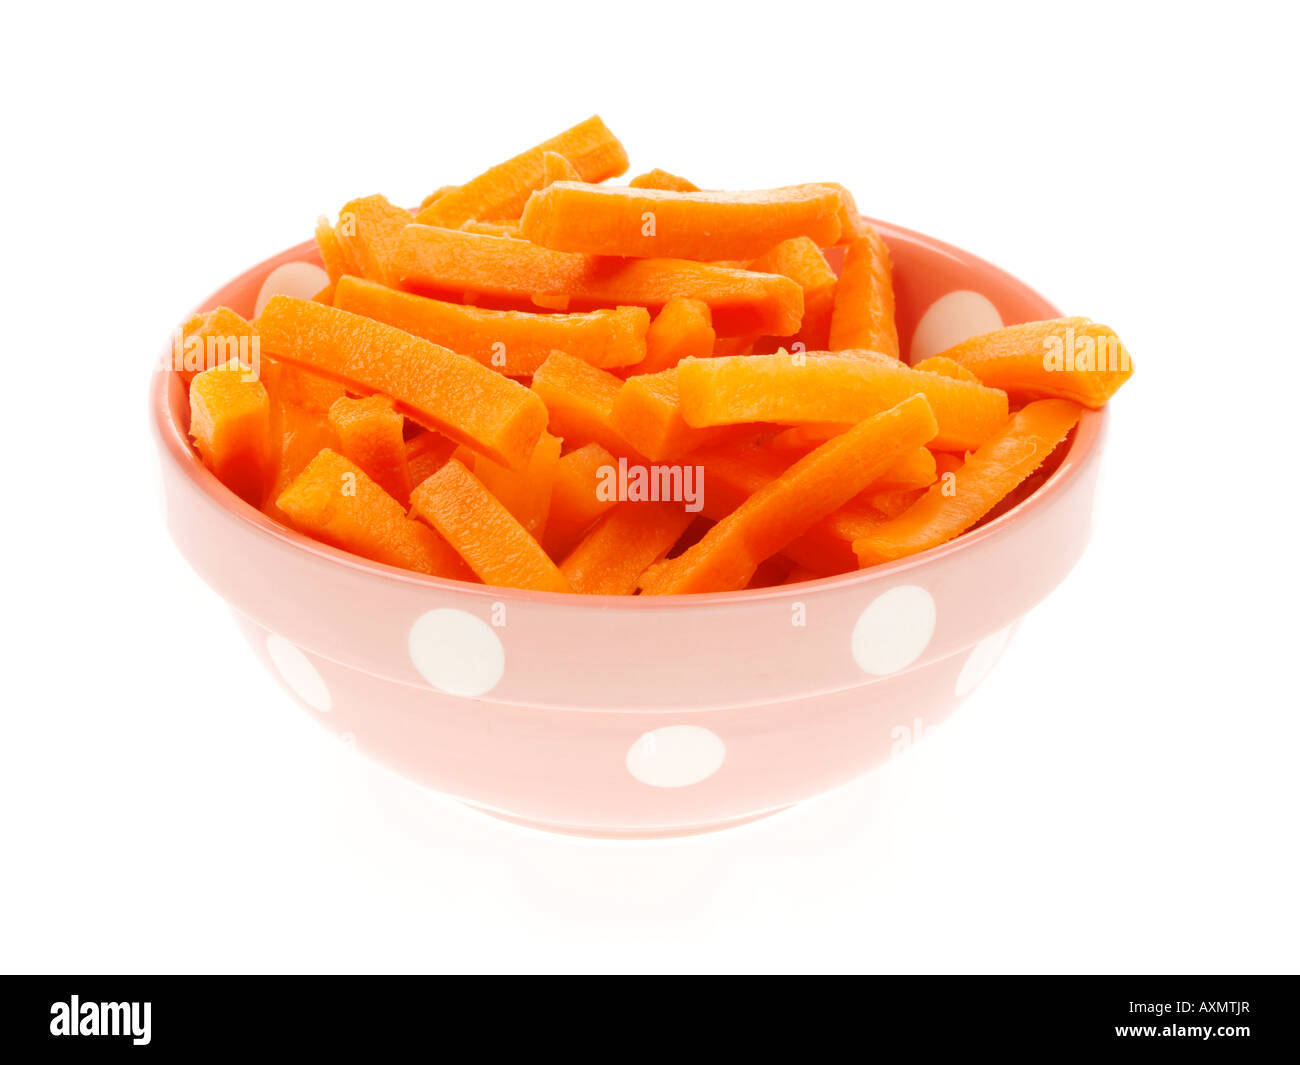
(647, 414)
(437, 194)
(369, 433)
(802, 261)
(1064, 358)
(947, 462)
(490, 229)
(297, 435)
(502, 191)
(368, 230)
(515, 343)
(335, 502)
(525, 492)
(448, 262)
(863, 315)
(946, 367)
(949, 508)
(814, 487)
(332, 255)
(734, 346)
(662, 179)
(684, 327)
(435, 387)
(792, 389)
(622, 545)
(426, 453)
(580, 401)
(230, 421)
(210, 339)
(891, 502)
(483, 532)
(649, 223)
(576, 499)
(557, 168)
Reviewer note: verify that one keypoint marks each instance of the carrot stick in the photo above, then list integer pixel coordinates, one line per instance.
(946, 367)
(1065, 358)
(802, 261)
(369, 229)
(435, 387)
(426, 453)
(684, 327)
(369, 432)
(512, 342)
(863, 315)
(649, 223)
(483, 532)
(949, 508)
(580, 401)
(502, 191)
(210, 339)
(576, 499)
(332, 255)
(525, 492)
(647, 414)
(791, 389)
(297, 435)
(335, 502)
(814, 487)
(449, 262)
(557, 168)
(662, 179)
(230, 421)
(622, 545)
(852, 225)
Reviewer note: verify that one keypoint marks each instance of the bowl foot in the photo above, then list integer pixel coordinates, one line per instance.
(598, 832)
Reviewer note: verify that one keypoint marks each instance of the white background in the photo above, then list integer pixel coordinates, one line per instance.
(1119, 795)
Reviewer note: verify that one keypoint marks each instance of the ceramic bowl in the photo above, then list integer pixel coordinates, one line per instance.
(638, 717)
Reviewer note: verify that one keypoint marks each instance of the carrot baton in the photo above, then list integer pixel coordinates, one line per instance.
(945, 367)
(622, 546)
(684, 327)
(332, 253)
(515, 343)
(483, 532)
(210, 339)
(230, 421)
(657, 223)
(647, 414)
(580, 402)
(426, 453)
(448, 262)
(368, 230)
(662, 179)
(576, 498)
(369, 432)
(792, 389)
(818, 484)
(501, 192)
(433, 386)
(1064, 358)
(802, 261)
(525, 492)
(334, 501)
(863, 315)
(950, 507)
(557, 168)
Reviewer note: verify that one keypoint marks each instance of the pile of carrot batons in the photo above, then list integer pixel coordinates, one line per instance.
(522, 384)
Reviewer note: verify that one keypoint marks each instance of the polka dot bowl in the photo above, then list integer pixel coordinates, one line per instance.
(638, 717)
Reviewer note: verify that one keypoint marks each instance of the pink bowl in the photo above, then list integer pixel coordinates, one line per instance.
(640, 717)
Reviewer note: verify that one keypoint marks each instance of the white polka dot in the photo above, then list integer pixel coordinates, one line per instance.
(894, 630)
(457, 652)
(302, 280)
(951, 319)
(297, 671)
(675, 756)
(982, 659)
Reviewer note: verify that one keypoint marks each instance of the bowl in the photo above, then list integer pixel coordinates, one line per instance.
(638, 717)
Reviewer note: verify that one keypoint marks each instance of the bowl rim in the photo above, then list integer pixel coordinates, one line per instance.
(174, 443)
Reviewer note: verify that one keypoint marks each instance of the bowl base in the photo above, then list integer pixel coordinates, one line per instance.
(598, 832)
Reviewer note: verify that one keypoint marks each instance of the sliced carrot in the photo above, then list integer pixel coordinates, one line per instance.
(369, 432)
(814, 487)
(647, 414)
(576, 498)
(450, 262)
(951, 506)
(437, 194)
(502, 191)
(863, 315)
(945, 367)
(656, 223)
(513, 342)
(684, 327)
(332, 255)
(557, 168)
(210, 339)
(580, 401)
(426, 453)
(335, 501)
(662, 179)
(802, 261)
(1065, 358)
(483, 532)
(526, 492)
(297, 436)
(852, 225)
(230, 421)
(622, 545)
(433, 386)
(791, 389)
(369, 229)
